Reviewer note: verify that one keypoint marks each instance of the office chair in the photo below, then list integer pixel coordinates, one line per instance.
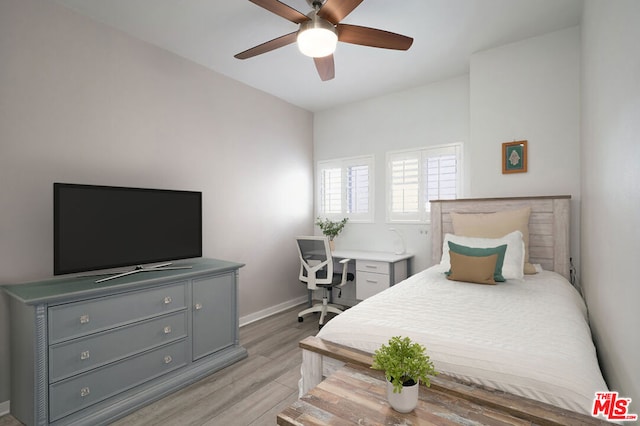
(316, 271)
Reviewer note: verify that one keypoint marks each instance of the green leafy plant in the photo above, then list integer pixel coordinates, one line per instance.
(330, 228)
(404, 363)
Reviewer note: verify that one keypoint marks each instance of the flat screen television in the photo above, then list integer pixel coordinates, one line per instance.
(101, 227)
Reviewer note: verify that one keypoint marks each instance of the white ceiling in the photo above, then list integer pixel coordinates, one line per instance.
(445, 32)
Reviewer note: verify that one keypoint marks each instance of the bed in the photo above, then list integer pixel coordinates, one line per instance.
(528, 336)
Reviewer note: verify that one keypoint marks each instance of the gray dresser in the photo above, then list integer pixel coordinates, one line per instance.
(87, 353)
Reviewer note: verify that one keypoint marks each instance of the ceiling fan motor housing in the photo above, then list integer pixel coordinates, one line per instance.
(317, 37)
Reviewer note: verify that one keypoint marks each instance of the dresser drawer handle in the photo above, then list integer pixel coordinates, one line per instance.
(198, 306)
(85, 355)
(84, 319)
(168, 300)
(371, 266)
(168, 359)
(85, 392)
(373, 281)
(167, 329)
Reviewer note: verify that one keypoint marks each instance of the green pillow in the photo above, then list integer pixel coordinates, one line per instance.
(482, 252)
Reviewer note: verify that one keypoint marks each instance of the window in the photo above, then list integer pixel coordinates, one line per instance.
(345, 189)
(415, 177)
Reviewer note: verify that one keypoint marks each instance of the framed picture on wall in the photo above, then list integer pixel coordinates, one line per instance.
(514, 157)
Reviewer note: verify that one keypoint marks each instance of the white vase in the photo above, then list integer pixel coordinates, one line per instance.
(406, 400)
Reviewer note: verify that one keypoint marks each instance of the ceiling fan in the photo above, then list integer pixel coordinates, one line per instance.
(320, 30)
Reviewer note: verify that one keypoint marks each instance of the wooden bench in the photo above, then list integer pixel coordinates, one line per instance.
(454, 400)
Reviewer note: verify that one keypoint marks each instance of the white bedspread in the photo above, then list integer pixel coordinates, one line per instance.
(529, 338)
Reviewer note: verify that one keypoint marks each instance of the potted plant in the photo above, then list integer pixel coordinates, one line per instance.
(405, 364)
(331, 228)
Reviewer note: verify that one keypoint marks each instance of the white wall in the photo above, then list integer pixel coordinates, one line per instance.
(429, 115)
(82, 103)
(529, 90)
(611, 187)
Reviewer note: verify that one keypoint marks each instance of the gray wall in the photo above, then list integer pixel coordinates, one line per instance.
(80, 102)
(611, 187)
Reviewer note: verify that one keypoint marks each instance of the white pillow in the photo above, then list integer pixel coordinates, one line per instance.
(513, 259)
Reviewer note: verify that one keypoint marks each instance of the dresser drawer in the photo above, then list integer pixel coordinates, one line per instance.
(372, 266)
(80, 355)
(89, 316)
(69, 396)
(369, 283)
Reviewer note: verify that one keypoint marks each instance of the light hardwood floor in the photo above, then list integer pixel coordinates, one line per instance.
(250, 392)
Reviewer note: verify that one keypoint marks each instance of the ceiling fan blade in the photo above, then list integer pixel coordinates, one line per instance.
(268, 46)
(282, 10)
(326, 67)
(373, 37)
(335, 11)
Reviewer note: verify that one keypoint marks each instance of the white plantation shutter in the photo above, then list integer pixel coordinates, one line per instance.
(417, 176)
(358, 189)
(331, 190)
(345, 189)
(441, 177)
(405, 185)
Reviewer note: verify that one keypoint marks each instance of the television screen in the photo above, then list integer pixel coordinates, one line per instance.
(100, 227)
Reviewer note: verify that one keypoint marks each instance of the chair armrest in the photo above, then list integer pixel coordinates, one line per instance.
(345, 265)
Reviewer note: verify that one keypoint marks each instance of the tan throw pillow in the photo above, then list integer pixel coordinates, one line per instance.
(472, 269)
(496, 225)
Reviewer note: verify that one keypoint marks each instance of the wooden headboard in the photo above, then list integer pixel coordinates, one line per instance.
(548, 226)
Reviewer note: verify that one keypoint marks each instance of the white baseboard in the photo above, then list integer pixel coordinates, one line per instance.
(248, 319)
(5, 408)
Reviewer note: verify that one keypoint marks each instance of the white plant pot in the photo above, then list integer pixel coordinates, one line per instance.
(406, 400)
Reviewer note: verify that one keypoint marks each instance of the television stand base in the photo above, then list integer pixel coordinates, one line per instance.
(140, 268)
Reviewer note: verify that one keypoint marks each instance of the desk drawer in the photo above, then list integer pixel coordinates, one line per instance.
(368, 284)
(372, 266)
(83, 354)
(69, 396)
(89, 316)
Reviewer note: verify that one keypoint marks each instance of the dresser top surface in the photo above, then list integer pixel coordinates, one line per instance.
(68, 288)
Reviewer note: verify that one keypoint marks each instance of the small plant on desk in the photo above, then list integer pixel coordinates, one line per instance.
(330, 228)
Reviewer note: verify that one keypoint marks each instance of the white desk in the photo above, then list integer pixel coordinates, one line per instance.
(376, 271)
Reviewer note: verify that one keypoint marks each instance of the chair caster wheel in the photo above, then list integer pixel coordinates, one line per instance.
(300, 319)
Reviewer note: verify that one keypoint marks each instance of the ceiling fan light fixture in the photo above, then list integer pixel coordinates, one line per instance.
(317, 37)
